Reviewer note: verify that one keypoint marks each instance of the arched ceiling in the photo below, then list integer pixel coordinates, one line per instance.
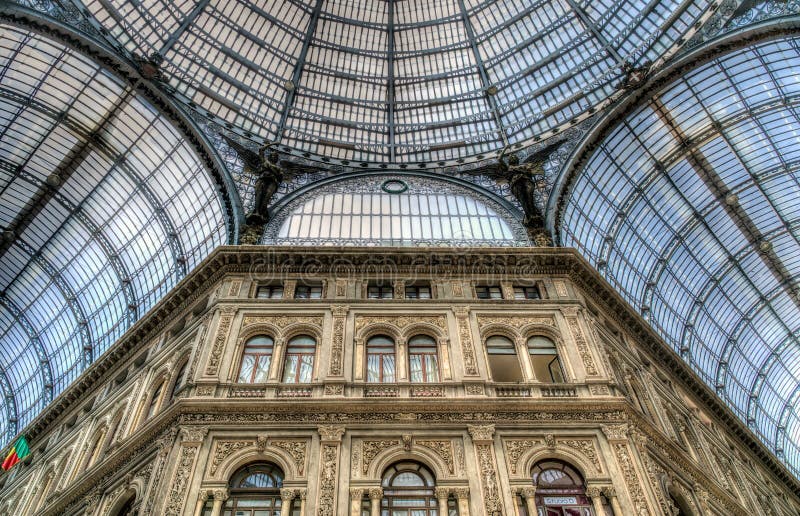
(104, 206)
(398, 81)
(689, 204)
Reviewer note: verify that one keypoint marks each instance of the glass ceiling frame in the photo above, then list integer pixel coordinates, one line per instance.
(741, 136)
(51, 206)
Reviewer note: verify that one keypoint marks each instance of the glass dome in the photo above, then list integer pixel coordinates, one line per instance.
(689, 205)
(385, 81)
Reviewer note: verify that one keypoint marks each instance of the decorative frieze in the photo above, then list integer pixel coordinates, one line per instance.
(282, 321)
(400, 321)
(514, 321)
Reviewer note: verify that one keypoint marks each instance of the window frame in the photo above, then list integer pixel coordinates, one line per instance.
(298, 366)
(272, 290)
(381, 355)
(526, 289)
(381, 290)
(545, 351)
(415, 289)
(244, 352)
(485, 292)
(311, 288)
(435, 354)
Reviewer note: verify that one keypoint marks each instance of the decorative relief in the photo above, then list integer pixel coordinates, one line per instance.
(329, 455)
(205, 390)
(488, 475)
(561, 288)
(458, 289)
(427, 391)
(180, 482)
(400, 321)
(599, 389)
(631, 478)
(341, 287)
(355, 458)
(337, 346)
(334, 389)
(297, 449)
(331, 433)
(515, 321)
(370, 449)
(615, 432)
(474, 389)
(204, 325)
(586, 448)
(481, 432)
(225, 321)
(282, 321)
(580, 342)
(193, 435)
(236, 285)
(224, 449)
(516, 448)
(465, 336)
(459, 453)
(444, 449)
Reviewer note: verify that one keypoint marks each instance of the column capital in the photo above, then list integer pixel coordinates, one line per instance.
(375, 493)
(356, 493)
(193, 435)
(462, 493)
(287, 494)
(220, 495)
(302, 493)
(481, 432)
(331, 433)
(609, 491)
(593, 492)
(442, 492)
(527, 491)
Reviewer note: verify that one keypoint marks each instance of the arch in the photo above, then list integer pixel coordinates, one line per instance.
(423, 358)
(386, 458)
(254, 359)
(559, 485)
(381, 359)
(492, 329)
(152, 403)
(379, 328)
(300, 328)
(299, 362)
(241, 458)
(503, 358)
(123, 500)
(178, 380)
(577, 460)
(422, 328)
(410, 486)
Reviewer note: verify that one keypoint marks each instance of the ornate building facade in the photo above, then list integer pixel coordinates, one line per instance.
(341, 381)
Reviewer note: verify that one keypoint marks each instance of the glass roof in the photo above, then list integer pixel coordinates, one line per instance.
(398, 81)
(405, 211)
(104, 207)
(690, 207)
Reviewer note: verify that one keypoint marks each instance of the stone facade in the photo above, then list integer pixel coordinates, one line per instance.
(641, 429)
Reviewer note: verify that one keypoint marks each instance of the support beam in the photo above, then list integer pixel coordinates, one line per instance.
(45, 369)
(175, 36)
(501, 132)
(390, 96)
(298, 69)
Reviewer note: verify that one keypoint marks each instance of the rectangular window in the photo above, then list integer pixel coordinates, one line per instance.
(418, 292)
(527, 293)
(488, 292)
(381, 291)
(269, 292)
(308, 292)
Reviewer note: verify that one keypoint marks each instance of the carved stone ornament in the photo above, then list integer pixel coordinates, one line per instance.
(334, 389)
(515, 449)
(193, 434)
(370, 449)
(406, 442)
(180, 481)
(458, 289)
(514, 321)
(233, 291)
(584, 447)
(488, 477)
(297, 449)
(356, 493)
(474, 389)
(561, 288)
(282, 321)
(617, 432)
(592, 492)
(221, 494)
(329, 458)
(550, 441)
(625, 463)
(375, 494)
(442, 493)
(341, 287)
(467, 349)
(337, 344)
(481, 432)
(444, 449)
(225, 321)
(580, 341)
(400, 321)
(331, 433)
(261, 442)
(287, 495)
(224, 449)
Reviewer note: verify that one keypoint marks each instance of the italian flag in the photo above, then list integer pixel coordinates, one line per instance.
(18, 452)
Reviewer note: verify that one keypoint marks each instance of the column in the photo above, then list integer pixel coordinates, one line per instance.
(356, 495)
(529, 493)
(287, 495)
(277, 359)
(191, 439)
(330, 444)
(442, 494)
(375, 497)
(201, 501)
(597, 499)
(462, 497)
(611, 494)
(302, 494)
(220, 495)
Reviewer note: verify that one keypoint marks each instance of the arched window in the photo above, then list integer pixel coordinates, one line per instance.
(256, 358)
(179, 382)
(128, 508)
(503, 362)
(423, 363)
(408, 490)
(560, 489)
(380, 359)
(152, 407)
(255, 491)
(93, 453)
(299, 364)
(545, 361)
